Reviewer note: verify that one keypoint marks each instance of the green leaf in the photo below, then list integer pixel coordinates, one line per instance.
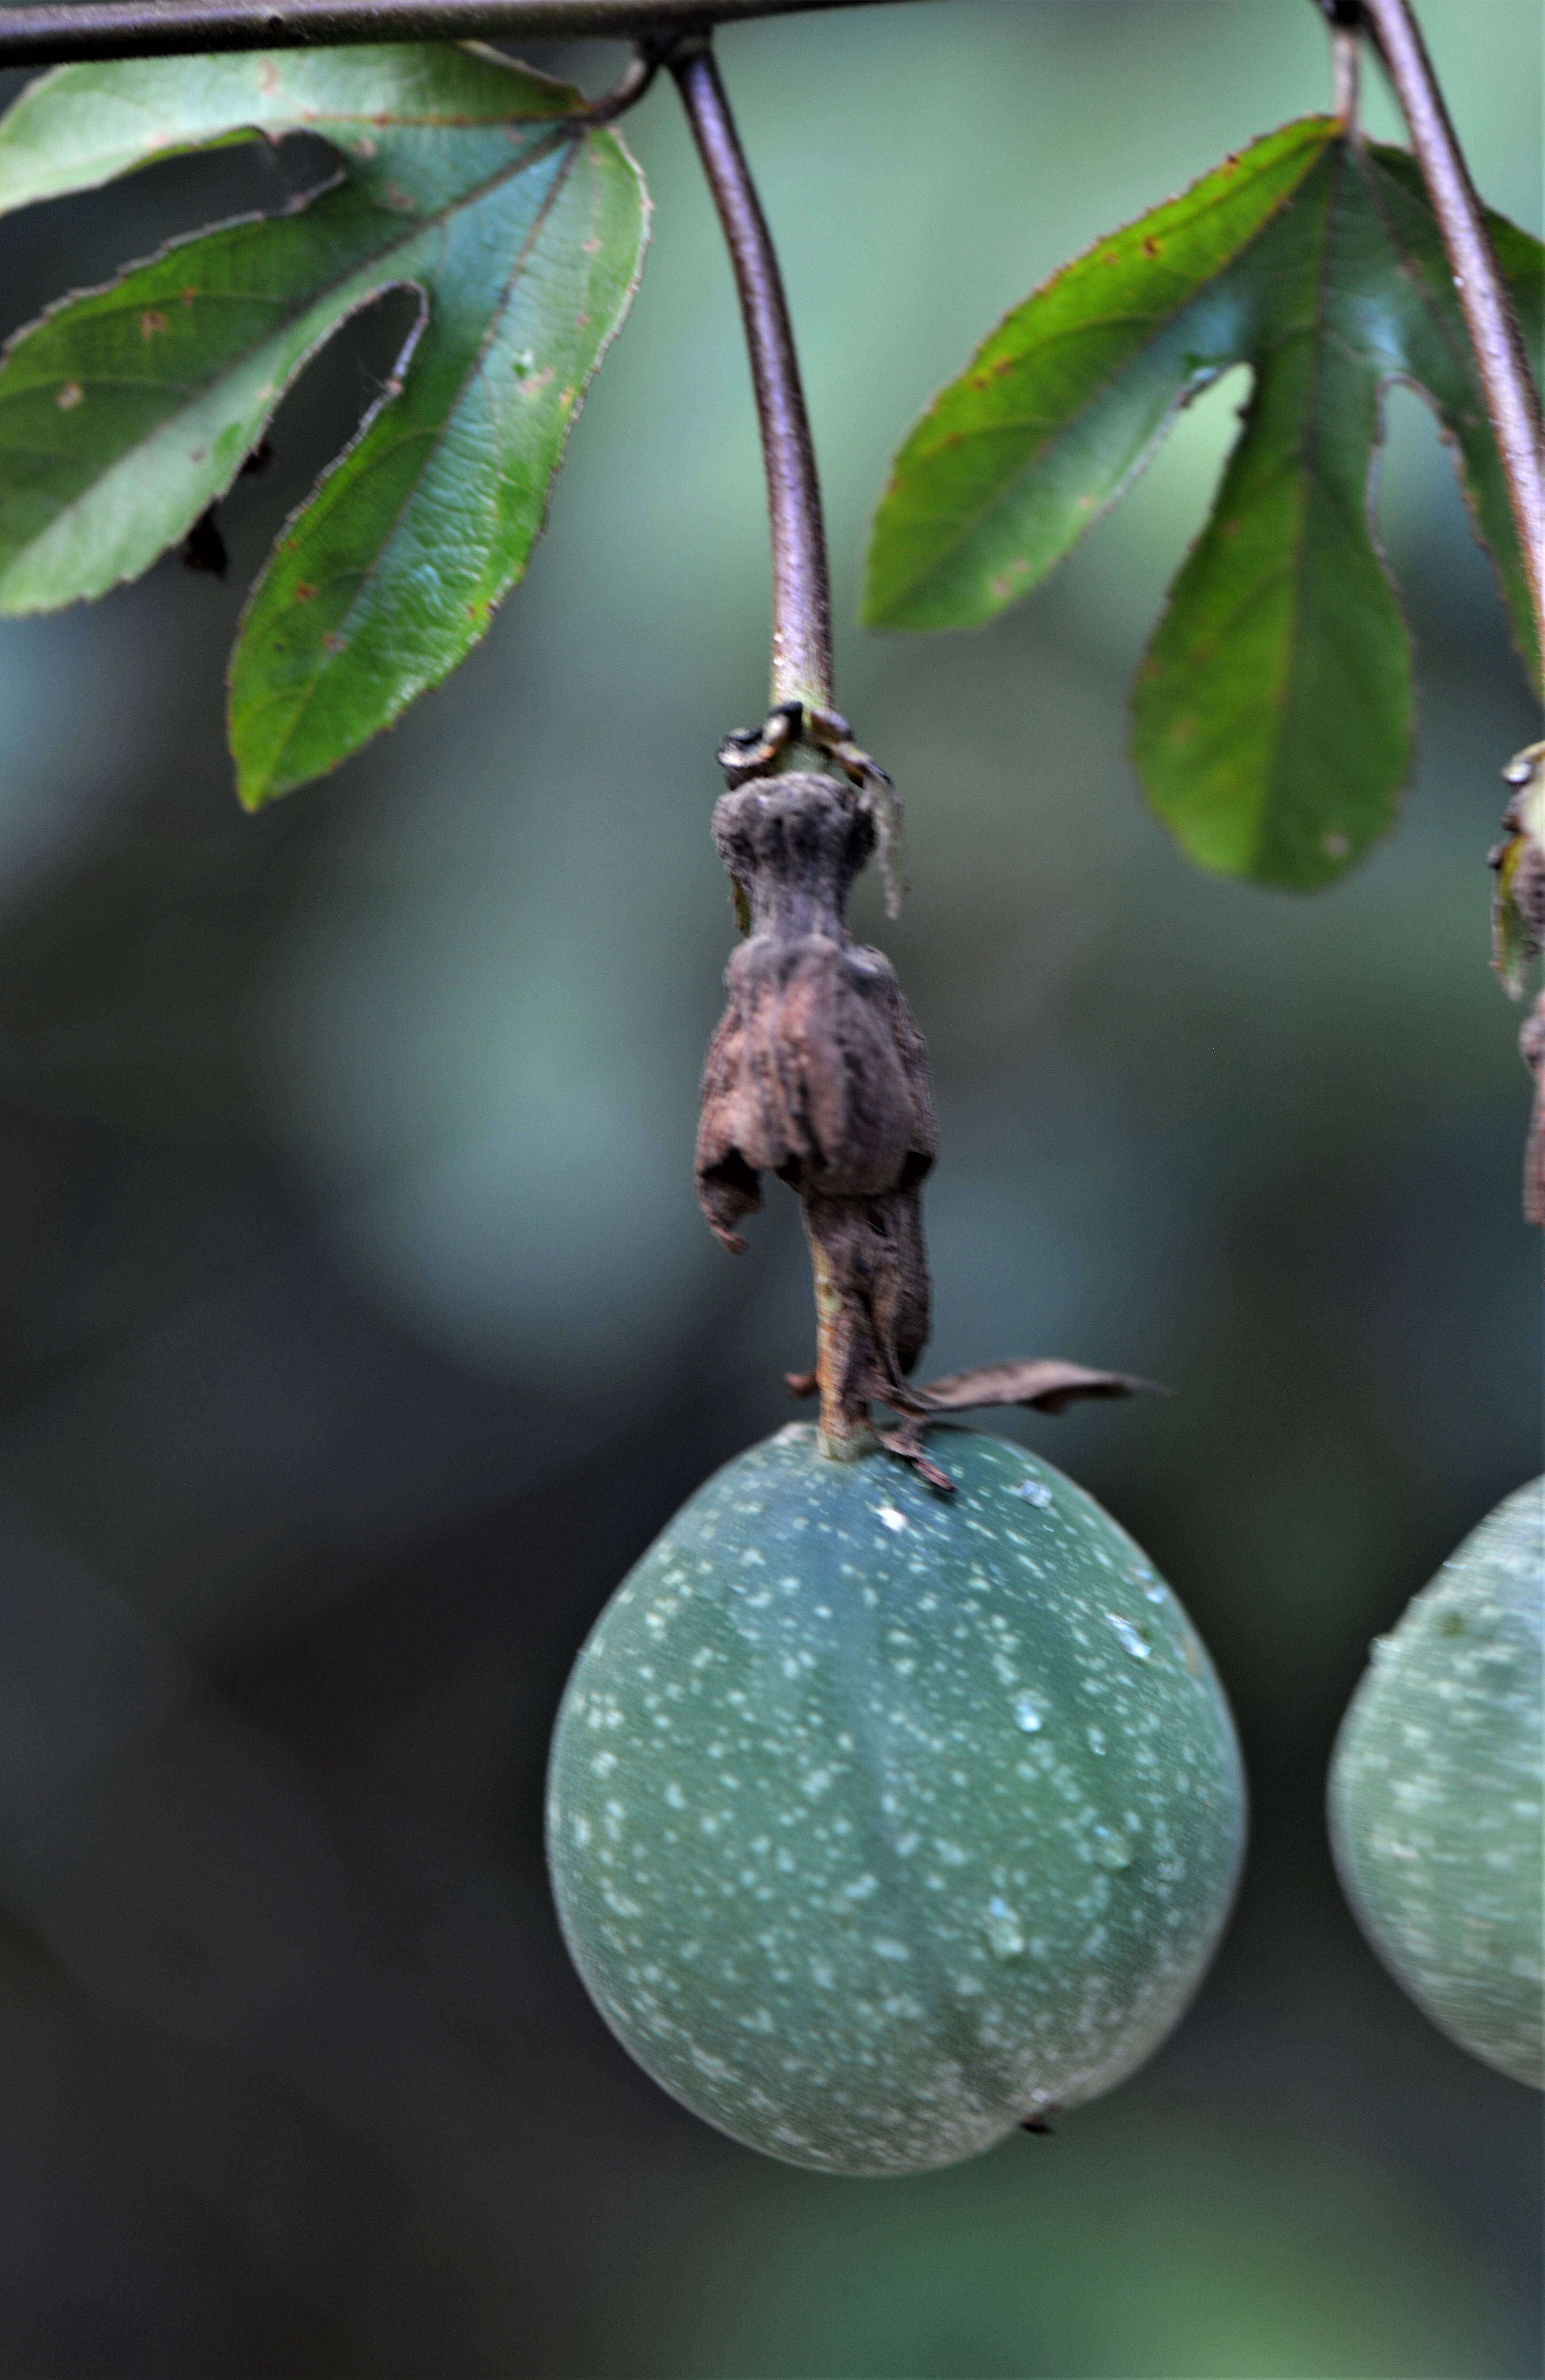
(125, 411)
(1273, 712)
(1063, 403)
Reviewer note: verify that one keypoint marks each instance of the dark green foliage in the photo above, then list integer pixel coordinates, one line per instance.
(1273, 711)
(125, 412)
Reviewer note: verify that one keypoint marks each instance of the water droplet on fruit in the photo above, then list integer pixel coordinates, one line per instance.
(1034, 1492)
(1111, 1849)
(1096, 1738)
(1004, 1935)
(1381, 1648)
(891, 1517)
(1129, 1637)
(1027, 1717)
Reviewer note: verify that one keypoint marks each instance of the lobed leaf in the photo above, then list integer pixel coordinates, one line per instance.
(1060, 405)
(1273, 712)
(125, 412)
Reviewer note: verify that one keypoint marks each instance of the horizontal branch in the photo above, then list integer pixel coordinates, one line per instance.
(60, 31)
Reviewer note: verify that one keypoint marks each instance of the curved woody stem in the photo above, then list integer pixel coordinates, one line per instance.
(801, 593)
(626, 91)
(1511, 399)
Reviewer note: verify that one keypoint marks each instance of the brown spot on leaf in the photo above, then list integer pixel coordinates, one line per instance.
(333, 642)
(364, 146)
(69, 397)
(1150, 246)
(304, 593)
(582, 321)
(150, 323)
(188, 295)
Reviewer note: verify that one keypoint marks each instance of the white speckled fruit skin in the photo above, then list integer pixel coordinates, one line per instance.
(879, 1821)
(1436, 1794)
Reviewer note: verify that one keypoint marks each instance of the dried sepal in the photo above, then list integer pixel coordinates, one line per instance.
(1045, 1383)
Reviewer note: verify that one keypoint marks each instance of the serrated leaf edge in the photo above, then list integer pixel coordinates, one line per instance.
(868, 616)
(253, 798)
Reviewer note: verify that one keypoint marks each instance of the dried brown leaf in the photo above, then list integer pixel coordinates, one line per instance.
(1048, 1383)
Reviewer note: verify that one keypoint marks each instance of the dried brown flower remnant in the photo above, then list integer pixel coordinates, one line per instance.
(1044, 1384)
(818, 1071)
(817, 1074)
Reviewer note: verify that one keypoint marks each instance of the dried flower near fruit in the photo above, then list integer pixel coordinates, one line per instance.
(818, 1073)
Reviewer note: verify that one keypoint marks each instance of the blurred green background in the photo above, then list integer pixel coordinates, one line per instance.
(359, 1328)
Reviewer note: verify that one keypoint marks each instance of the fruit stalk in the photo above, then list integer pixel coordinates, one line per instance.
(818, 1073)
(846, 1431)
(801, 589)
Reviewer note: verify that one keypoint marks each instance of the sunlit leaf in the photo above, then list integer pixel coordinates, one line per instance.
(1273, 709)
(125, 412)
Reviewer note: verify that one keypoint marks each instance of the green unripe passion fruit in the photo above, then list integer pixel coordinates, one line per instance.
(1435, 1794)
(881, 1821)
